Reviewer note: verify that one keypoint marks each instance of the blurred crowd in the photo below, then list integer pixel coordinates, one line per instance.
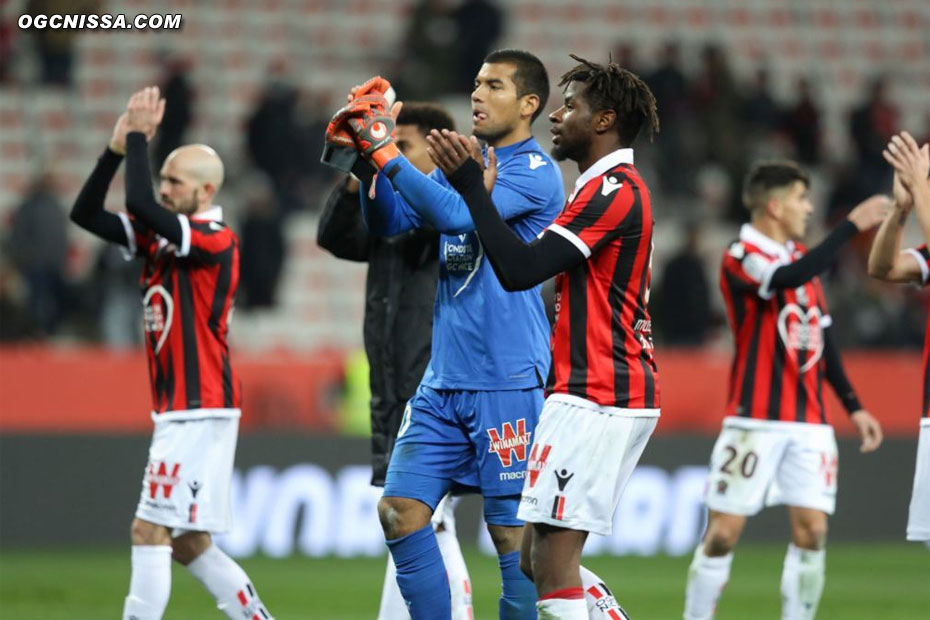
(714, 125)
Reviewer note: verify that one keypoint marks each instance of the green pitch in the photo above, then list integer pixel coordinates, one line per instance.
(891, 582)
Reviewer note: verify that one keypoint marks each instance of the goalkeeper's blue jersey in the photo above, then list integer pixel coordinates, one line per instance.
(484, 338)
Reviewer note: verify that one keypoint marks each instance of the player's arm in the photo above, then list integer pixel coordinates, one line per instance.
(869, 428)
(911, 164)
(863, 217)
(518, 265)
(342, 230)
(88, 211)
(144, 113)
(886, 260)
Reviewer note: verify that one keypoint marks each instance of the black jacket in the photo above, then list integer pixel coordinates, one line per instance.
(399, 294)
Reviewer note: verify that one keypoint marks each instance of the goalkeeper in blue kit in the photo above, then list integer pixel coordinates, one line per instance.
(469, 426)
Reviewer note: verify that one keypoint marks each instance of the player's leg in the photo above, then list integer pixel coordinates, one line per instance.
(223, 578)
(150, 583)
(600, 601)
(743, 465)
(806, 483)
(393, 606)
(459, 580)
(803, 574)
(430, 449)
(580, 462)
(501, 425)
(918, 521)
(709, 571)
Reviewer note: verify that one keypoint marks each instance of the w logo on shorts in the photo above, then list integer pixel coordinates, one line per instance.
(161, 478)
(511, 442)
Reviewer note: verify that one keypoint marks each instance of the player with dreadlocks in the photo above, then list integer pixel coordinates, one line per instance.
(603, 391)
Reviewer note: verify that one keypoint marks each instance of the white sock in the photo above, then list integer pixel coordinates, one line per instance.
(599, 599)
(707, 577)
(230, 586)
(459, 583)
(393, 606)
(150, 584)
(802, 580)
(562, 609)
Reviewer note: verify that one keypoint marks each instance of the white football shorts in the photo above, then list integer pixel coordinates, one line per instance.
(581, 459)
(758, 463)
(918, 521)
(186, 484)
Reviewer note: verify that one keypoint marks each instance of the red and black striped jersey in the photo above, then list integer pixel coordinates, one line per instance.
(922, 256)
(601, 343)
(778, 370)
(187, 299)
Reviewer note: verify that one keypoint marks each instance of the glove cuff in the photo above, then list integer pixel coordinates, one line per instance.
(384, 155)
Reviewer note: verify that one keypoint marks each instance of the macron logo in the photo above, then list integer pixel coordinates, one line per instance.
(611, 184)
(536, 161)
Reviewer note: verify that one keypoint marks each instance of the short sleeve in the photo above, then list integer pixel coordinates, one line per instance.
(596, 215)
(922, 256)
(138, 237)
(204, 240)
(750, 269)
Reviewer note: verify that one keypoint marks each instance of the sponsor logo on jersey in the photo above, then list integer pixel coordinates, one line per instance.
(512, 475)
(195, 487)
(161, 477)
(509, 442)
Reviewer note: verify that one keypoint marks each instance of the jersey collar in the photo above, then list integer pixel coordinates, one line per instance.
(213, 214)
(753, 235)
(507, 151)
(605, 163)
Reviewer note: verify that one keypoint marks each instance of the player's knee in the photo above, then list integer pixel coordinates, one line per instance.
(188, 547)
(811, 534)
(142, 532)
(401, 516)
(720, 540)
(506, 538)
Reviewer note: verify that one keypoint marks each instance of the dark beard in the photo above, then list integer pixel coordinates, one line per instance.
(567, 150)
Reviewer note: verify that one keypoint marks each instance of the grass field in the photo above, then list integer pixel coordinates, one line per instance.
(890, 582)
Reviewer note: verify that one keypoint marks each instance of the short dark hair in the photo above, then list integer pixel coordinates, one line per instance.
(530, 78)
(425, 116)
(767, 176)
(612, 87)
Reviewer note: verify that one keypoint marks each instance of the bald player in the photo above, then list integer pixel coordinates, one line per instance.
(190, 272)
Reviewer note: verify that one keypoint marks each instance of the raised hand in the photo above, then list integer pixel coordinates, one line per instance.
(145, 110)
(118, 139)
(911, 162)
(870, 212)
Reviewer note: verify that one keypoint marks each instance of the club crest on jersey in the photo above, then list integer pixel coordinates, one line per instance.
(539, 455)
(611, 184)
(157, 313)
(802, 331)
(509, 442)
(163, 477)
(536, 161)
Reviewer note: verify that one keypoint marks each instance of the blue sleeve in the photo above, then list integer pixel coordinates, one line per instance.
(435, 202)
(388, 214)
(518, 191)
(521, 189)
